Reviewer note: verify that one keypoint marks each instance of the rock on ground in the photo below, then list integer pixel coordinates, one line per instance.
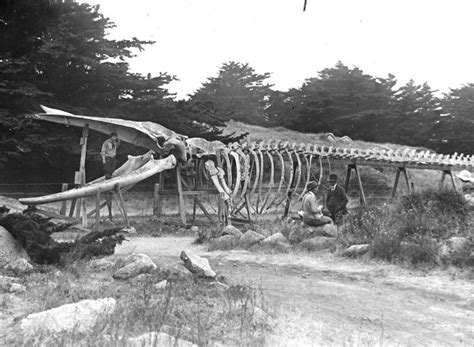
(197, 265)
(275, 238)
(231, 230)
(77, 318)
(133, 265)
(158, 339)
(319, 243)
(356, 250)
(19, 266)
(250, 238)
(10, 248)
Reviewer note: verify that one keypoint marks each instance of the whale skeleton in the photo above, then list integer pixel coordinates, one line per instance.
(243, 173)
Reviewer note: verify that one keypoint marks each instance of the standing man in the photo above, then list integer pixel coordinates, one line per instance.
(109, 162)
(312, 210)
(336, 200)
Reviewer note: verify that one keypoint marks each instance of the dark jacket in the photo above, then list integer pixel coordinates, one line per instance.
(336, 200)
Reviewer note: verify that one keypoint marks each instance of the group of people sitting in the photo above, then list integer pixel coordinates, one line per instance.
(331, 210)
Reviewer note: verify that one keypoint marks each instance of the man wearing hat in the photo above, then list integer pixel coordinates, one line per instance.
(467, 186)
(108, 153)
(312, 209)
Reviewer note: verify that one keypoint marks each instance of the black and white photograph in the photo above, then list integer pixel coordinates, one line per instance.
(236, 173)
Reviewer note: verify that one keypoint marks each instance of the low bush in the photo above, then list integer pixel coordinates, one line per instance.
(414, 230)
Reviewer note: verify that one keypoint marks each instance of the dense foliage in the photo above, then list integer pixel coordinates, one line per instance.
(58, 53)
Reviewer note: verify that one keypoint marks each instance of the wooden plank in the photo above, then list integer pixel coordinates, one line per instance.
(97, 210)
(182, 210)
(157, 205)
(407, 180)
(395, 185)
(359, 181)
(122, 204)
(62, 210)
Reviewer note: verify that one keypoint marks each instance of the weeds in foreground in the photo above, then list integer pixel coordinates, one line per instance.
(195, 310)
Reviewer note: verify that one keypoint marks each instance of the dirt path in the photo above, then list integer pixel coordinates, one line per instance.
(321, 299)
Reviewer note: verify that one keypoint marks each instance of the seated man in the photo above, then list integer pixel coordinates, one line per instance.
(336, 200)
(312, 210)
(467, 188)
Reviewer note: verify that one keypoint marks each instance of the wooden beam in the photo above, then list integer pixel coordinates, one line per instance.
(62, 210)
(407, 180)
(182, 210)
(157, 203)
(359, 181)
(395, 185)
(97, 210)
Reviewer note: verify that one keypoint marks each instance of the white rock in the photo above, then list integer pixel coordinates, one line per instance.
(231, 230)
(17, 288)
(356, 250)
(158, 339)
(197, 265)
(195, 229)
(134, 265)
(19, 266)
(10, 248)
(77, 318)
(129, 230)
(275, 238)
(161, 284)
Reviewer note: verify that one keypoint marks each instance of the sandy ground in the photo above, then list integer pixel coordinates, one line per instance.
(320, 299)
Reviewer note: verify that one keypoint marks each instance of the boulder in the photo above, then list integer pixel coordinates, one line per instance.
(319, 243)
(197, 265)
(275, 238)
(158, 339)
(250, 238)
(356, 250)
(329, 230)
(231, 230)
(77, 318)
(225, 242)
(19, 266)
(161, 284)
(129, 230)
(10, 248)
(134, 264)
(101, 264)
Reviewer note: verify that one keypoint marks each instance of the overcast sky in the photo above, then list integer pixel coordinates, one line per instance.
(425, 40)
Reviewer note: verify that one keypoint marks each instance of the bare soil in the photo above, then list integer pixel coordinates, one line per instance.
(321, 299)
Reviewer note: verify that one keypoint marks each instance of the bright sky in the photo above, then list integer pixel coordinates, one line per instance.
(427, 40)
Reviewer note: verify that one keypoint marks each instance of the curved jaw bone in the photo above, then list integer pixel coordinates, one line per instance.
(144, 134)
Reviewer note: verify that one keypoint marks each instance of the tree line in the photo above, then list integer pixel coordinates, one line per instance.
(58, 53)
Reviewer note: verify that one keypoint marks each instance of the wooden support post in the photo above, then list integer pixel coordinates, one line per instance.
(363, 201)
(443, 176)
(122, 205)
(395, 185)
(157, 204)
(407, 180)
(97, 210)
(182, 210)
(225, 210)
(80, 178)
(290, 192)
(62, 210)
(73, 207)
(348, 177)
